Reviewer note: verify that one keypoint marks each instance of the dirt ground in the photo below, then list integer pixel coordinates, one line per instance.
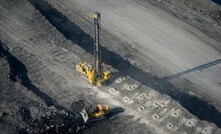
(42, 41)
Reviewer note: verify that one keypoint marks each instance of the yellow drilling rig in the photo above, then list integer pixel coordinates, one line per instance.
(96, 75)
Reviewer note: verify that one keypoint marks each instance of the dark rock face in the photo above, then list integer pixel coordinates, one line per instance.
(60, 122)
(216, 15)
(53, 120)
(217, 1)
(206, 7)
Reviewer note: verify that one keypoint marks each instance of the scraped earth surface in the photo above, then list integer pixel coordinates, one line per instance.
(42, 41)
(185, 56)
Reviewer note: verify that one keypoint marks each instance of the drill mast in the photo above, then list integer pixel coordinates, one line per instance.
(96, 75)
(97, 52)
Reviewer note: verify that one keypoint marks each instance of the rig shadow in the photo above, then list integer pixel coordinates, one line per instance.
(115, 111)
(198, 107)
(198, 68)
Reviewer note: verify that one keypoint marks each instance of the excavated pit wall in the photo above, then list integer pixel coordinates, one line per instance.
(204, 15)
(192, 103)
(199, 5)
(24, 108)
(180, 81)
(53, 53)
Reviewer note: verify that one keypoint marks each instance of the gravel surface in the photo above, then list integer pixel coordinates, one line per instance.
(42, 93)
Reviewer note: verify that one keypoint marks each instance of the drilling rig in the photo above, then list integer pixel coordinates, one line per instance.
(95, 75)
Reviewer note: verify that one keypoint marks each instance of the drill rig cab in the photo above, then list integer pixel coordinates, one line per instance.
(95, 74)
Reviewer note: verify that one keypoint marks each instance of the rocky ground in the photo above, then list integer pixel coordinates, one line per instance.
(204, 15)
(23, 110)
(42, 93)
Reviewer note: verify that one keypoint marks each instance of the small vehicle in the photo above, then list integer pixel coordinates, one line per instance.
(99, 113)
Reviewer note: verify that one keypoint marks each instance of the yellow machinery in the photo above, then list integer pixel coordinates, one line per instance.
(95, 75)
(99, 113)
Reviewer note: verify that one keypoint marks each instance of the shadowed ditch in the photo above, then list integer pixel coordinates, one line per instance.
(198, 107)
(18, 72)
(59, 120)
